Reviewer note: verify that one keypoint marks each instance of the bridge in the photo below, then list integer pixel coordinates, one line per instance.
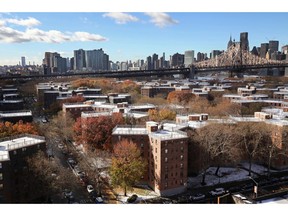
(234, 60)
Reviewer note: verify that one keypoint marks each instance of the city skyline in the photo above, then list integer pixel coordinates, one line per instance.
(131, 36)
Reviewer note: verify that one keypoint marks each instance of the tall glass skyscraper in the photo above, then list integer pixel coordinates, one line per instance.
(188, 58)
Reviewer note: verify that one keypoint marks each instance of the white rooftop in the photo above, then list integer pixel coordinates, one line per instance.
(168, 135)
(71, 105)
(14, 114)
(130, 130)
(12, 144)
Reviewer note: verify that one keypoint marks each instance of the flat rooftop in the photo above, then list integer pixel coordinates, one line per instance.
(128, 130)
(12, 144)
(76, 105)
(15, 114)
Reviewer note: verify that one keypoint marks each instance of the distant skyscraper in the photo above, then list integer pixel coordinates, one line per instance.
(254, 51)
(155, 61)
(23, 62)
(215, 53)
(284, 49)
(263, 49)
(273, 46)
(79, 59)
(54, 63)
(244, 41)
(68, 62)
(200, 56)
(149, 63)
(177, 60)
(230, 43)
(188, 57)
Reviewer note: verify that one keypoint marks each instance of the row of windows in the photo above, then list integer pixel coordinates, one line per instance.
(176, 182)
(172, 175)
(23, 150)
(166, 159)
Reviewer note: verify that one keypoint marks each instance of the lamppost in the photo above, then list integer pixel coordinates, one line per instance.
(255, 187)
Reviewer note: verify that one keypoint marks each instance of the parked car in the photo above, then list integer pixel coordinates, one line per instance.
(60, 146)
(217, 191)
(90, 188)
(99, 200)
(197, 196)
(132, 198)
(71, 162)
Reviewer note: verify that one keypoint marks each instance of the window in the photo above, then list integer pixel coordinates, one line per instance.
(15, 152)
(166, 159)
(166, 184)
(0, 165)
(181, 157)
(38, 146)
(142, 145)
(23, 149)
(1, 186)
(1, 176)
(182, 148)
(155, 150)
(166, 151)
(181, 166)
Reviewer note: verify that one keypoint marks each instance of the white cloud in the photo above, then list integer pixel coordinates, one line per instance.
(85, 36)
(121, 18)
(11, 35)
(161, 19)
(2, 23)
(24, 22)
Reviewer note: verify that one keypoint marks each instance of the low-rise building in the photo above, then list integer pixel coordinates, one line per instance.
(165, 152)
(15, 182)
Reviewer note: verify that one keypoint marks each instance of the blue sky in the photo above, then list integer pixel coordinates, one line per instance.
(131, 35)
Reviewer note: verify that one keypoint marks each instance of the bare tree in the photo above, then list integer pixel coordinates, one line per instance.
(217, 146)
(49, 176)
(250, 136)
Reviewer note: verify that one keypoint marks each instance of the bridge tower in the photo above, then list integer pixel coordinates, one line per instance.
(192, 72)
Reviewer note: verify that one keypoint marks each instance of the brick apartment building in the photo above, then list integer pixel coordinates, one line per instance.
(15, 185)
(165, 152)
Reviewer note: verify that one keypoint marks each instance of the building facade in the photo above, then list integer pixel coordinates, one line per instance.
(165, 152)
(15, 184)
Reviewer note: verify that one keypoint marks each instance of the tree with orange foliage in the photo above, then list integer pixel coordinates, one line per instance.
(160, 115)
(10, 129)
(127, 166)
(96, 132)
(181, 97)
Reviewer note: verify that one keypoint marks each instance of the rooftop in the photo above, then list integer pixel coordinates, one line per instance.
(129, 130)
(74, 105)
(168, 135)
(10, 144)
(15, 113)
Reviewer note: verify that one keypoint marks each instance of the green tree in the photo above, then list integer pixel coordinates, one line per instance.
(127, 166)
